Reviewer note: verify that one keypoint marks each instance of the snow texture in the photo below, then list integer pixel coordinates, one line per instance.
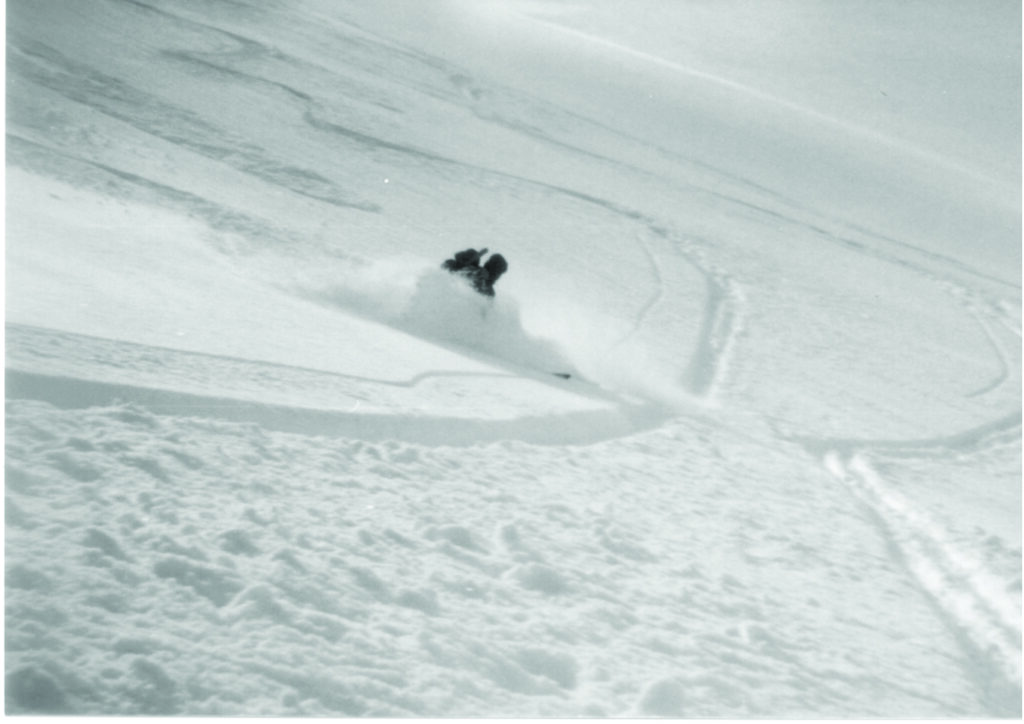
(265, 458)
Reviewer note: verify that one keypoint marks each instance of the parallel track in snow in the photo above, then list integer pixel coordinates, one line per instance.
(717, 338)
(971, 600)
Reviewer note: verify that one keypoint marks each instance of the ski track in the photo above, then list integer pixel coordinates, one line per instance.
(984, 310)
(892, 257)
(973, 600)
(1004, 363)
(151, 115)
(720, 325)
(654, 299)
(1013, 327)
(720, 329)
(37, 156)
(1005, 430)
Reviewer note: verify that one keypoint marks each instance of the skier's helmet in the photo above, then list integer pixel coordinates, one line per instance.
(496, 266)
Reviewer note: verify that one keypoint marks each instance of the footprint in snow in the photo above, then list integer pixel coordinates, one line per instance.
(540, 578)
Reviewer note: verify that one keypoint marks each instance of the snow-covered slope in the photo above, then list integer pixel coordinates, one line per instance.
(264, 458)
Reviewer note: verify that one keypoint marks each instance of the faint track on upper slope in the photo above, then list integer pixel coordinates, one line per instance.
(66, 166)
(890, 143)
(81, 84)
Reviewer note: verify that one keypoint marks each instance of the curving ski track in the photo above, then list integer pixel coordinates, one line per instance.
(1004, 364)
(720, 329)
(653, 300)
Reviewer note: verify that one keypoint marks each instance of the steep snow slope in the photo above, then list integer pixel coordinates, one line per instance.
(264, 458)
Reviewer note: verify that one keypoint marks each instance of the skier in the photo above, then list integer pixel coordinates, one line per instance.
(467, 263)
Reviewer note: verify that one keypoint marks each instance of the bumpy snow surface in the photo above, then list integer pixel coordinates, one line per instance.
(264, 458)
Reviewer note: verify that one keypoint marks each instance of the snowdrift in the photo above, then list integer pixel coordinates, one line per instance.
(441, 307)
(431, 304)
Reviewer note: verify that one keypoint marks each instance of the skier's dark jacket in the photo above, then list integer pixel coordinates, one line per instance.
(467, 263)
(464, 259)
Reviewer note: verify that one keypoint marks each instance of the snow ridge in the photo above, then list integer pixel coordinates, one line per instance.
(569, 428)
(309, 401)
(720, 329)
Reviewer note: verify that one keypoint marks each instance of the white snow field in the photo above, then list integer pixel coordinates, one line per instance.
(265, 458)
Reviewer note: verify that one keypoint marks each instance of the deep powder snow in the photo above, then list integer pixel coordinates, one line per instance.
(263, 457)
